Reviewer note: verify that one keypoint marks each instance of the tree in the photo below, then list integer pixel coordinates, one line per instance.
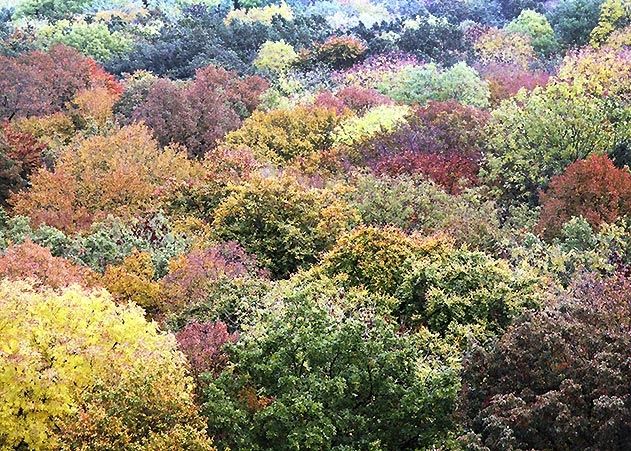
(281, 135)
(78, 370)
(573, 21)
(537, 28)
(420, 84)
(558, 378)
(592, 188)
(374, 258)
(38, 83)
(207, 108)
(34, 262)
(455, 292)
(117, 174)
(536, 135)
(284, 224)
(613, 14)
(319, 372)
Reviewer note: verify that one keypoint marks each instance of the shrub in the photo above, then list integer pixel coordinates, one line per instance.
(193, 277)
(573, 20)
(339, 52)
(93, 39)
(264, 15)
(441, 142)
(535, 135)
(506, 80)
(455, 292)
(38, 83)
(202, 345)
(133, 281)
(344, 379)
(20, 155)
(282, 223)
(81, 370)
(276, 57)
(613, 14)
(534, 25)
(592, 188)
(413, 204)
(281, 135)
(380, 119)
(356, 98)
(499, 47)
(557, 378)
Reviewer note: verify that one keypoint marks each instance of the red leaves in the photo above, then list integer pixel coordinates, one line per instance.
(40, 83)
(202, 344)
(593, 188)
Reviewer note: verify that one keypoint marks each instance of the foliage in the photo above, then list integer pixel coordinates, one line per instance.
(117, 174)
(592, 188)
(32, 261)
(38, 83)
(83, 371)
(496, 46)
(537, 28)
(276, 57)
(133, 281)
(51, 9)
(264, 15)
(506, 80)
(93, 39)
(20, 155)
(535, 135)
(456, 292)
(573, 21)
(432, 39)
(424, 83)
(442, 142)
(413, 204)
(207, 108)
(196, 277)
(613, 14)
(343, 380)
(377, 120)
(354, 97)
(281, 135)
(374, 258)
(285, 225)
(338, 52)
(202, 344)
(557, 378)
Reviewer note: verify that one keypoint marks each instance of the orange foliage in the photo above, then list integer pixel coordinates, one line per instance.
(30, 260)
(119, 174)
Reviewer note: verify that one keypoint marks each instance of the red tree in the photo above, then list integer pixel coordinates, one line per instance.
(40, 83)
(201, 112)
(593, 188)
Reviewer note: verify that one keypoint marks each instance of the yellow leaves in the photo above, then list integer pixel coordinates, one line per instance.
(612, 14)
(497, 46)
(262, 15)
(95, 106)
(60, 354)
(133, 281)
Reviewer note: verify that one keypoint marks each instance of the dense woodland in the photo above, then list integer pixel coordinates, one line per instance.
(315, 225)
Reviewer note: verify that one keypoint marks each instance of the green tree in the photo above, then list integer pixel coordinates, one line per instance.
(535, 135)
(536, 26)
(318, 372)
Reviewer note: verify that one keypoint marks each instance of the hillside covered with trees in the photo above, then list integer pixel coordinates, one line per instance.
(315, 225)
